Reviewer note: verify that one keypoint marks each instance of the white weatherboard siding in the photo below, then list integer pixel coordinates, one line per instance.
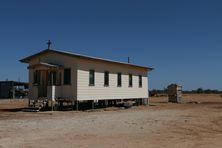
(99, 91)
(63, 91)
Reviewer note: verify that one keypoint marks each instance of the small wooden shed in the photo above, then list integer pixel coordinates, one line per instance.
(174, 93)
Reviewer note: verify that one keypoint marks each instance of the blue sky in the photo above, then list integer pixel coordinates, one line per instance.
(181, 39)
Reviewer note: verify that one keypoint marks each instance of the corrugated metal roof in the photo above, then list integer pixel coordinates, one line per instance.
(27, 59)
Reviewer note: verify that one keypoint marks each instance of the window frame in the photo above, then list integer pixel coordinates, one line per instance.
(59, 83)
(36, 77)
(140, 81)
(130, 80)
(52, 74)
(106, 78)
(91, 77)
(119, 79)
(65, 80)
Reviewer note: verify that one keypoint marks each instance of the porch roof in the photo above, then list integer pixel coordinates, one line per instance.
(48, 65)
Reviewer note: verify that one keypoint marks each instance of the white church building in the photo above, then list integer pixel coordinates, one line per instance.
(55, 74)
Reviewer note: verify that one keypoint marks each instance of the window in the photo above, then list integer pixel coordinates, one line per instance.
(52, 78)
(140, 81)
(106, 78)
(119, 79)
(59, 78)
(67, 76)
(91, 77)
(130, 80)
(36, 77)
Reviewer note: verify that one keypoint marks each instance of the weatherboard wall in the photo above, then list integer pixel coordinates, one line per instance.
(101, 92)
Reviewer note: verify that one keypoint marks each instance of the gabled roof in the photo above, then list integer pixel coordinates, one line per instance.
(27, 59)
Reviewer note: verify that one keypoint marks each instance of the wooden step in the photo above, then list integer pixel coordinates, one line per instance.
(31, 109)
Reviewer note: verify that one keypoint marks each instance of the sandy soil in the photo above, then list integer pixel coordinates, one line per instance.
(160, 125)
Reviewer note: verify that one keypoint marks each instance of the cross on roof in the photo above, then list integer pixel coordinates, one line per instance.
(49, 44)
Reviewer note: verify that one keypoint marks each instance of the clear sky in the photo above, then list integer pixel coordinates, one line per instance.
(181, 39)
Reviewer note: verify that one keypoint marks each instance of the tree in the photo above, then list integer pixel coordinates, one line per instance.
(199, 90)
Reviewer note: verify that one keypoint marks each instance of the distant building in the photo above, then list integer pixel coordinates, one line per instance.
(13, 89)
(55, 74)
(174, 93)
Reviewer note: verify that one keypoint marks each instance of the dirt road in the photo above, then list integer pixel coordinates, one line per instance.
(160, 125)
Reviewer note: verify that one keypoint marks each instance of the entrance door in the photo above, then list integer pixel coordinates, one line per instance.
(42, 89)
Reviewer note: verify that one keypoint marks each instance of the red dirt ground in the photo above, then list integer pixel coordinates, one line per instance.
(197, 122)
